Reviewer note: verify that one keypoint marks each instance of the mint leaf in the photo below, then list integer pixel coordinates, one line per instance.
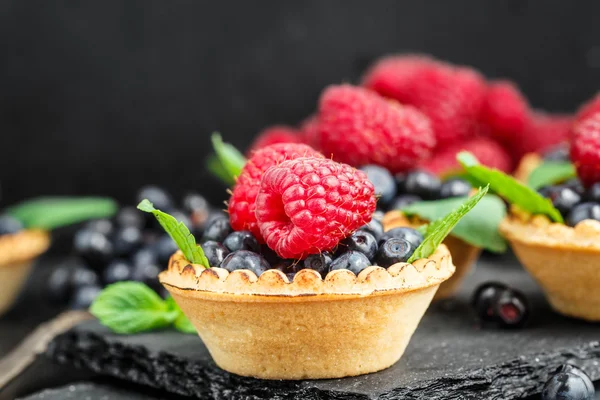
(53, 212)
(179, 233)
(440, 228)
(182, 323)
(550, 173)
(231, 160)
(216, 168)
(132, 307)
(479, 227)
(508, 188)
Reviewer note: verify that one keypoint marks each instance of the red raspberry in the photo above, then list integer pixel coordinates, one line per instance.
(242, 204)
(589, 108)
(307, 205)
(543, 132)
(310, 131)
(585, 149)
(505, 112)
(360, 127)
(487, 151)
(275, 134)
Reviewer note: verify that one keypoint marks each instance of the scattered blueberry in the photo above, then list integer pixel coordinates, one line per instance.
(195, 203)
(83, 276)
(93, 247)
(593, 193)
(215, 252)
(127, 240)
(423, 184)
(143, 256)
(318, 262)
(412, 235)
(351, 260)
(9, 225)
(244, 259)
(241, 240)
(569, 383)
(484, 300)
(164, 249)
(394, 250)
(374, 227)
(582, 212)
(383, 181)
(157, 196)
(148, 274)
(512, 309)
(564, 198)
(84, 296)
(103, 226)
(404, 200)
(360, 241)
(117, 271)
(217, 230)
(130, 216)
(454, 188)
(59, 285)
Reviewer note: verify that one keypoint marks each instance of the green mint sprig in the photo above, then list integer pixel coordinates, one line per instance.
(179, 233)
(508, 188)
(227, 162)
(132, 307)
(550, 173)
(53, 212)
(479, 227)
(440, 228)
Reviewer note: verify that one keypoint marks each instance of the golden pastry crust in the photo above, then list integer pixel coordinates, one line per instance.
(22, 246)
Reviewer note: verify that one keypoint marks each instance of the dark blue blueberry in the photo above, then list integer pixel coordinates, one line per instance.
(512, 309)
(117, 271)
(148, 274)
(286, 265)
(269, 255)
(383, 181)
(593, 193)
(400, 181)
(558, 153)
(455, 187)
(318, 262)
(59, 285)
(164, 249)
(195, 203)
(84, 296)
(146, 255)
(241, 240)
(360, 241)
(180, 216)
(130, 216)
(94, 248)
(545, 190)
(9, 225)
(412, 235)
(127, 240)
(569, 383)
(582, 212)
(352, 261)
(404, 200)
(564, 199)
(217, 230)
(244, 259)
(423, 184)
(484, 300)
(157, 196)
(394, 250)
(215, 252)
(83, 276)
(374, 227)
(104, 226)
(576, 185)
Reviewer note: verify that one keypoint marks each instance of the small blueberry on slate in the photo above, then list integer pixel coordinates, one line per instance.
(394, 250)
(127, 240)
(360, 241)
(512, 309)
(215, 252)
(241, 240)
(244, 259)
(410, 234)
(217, 230)
(93, 247)
(117, 271)
(383, 181)
(569, 383)
(582, 212)
(423, 184)
(351, 260)
(484, 300)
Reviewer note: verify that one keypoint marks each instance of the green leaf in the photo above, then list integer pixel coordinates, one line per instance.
(182, 323)
(132, 307)
(550, 173)
(216, 168)
(179, 233)
(440, 228)
(479, 227)
(508, 188)
(53, 212)
(232, 161)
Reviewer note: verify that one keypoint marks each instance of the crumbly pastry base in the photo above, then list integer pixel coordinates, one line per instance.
(562, 259)
(17, 253)
(464, 255)
(270, 328)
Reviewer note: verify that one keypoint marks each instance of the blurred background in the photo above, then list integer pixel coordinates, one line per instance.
(103, 97)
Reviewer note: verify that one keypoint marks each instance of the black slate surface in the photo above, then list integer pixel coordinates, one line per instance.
(449, 357)
(98, 391)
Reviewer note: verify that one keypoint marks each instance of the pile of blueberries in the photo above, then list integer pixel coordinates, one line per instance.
(130, 246)
(497, 305)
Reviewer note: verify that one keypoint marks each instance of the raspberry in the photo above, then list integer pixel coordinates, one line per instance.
(275, 134)
(585, 149)
(543, 132)
(505, 112)
(589, 108)
(360, 127)
(307, 205)
(242, 204)
(487, 151)
(310, 131)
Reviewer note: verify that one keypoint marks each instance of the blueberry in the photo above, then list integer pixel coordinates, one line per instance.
(576, 185)
(241, 240)
(217, 230)
(269, 255)
(59, 285)
(215, 252)
(512, 309)
(164, 249)
(286, 265)
(84, 296)
(394, 250)
(117, 271)
(157, 196)
(374, 227)
(582, 212)
(412, 235)
(378, 215)
(127, 240)
(9, 225)
(484, 300)
(593, 193)
(404, 200)
(400, 182)
(146, 255)
(360, 241)
(130, 216)
(244, 259)
(318, 262)
(83, 276)
(195, 203)
(423, 184)
(383, 181)
(351, 260)
(564, 199)
(103, 226)
(180, 216)
(93, 247)
(545, 190)
(568, 383)
(148, 274)
(558, 153)
(455, 188)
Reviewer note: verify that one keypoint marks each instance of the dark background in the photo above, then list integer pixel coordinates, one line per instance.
(100, 97)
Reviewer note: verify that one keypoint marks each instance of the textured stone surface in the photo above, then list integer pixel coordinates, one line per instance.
(449, 357)
(95, 391)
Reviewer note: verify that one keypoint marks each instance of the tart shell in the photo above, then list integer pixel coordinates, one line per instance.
(345, 325)
(565, 261)
(528, 163)
(17, 253)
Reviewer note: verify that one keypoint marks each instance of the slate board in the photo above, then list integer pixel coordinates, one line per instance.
(96, 391)
(449, 357)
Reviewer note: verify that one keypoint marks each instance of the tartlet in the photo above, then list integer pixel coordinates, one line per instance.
(17, 253)
(311, 328)
(464, 254)
(529, 162)
(563, 259)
